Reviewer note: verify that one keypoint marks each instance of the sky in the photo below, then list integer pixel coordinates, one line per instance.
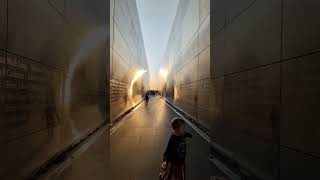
(156, 19)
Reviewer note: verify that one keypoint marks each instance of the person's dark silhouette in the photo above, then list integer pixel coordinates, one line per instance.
(173, 166)
(146, 98)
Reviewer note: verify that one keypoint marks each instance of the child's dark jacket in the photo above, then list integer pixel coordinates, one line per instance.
(176, 149)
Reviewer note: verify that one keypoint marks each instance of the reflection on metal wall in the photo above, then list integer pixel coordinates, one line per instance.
(128, 56)
(52, 78)
(265, 85)
(257, 92)
(188, 59)
(118, 89)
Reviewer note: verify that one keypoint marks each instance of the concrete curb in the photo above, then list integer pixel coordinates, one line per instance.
(117, 123)
(54, 167)
(190, 118)
(118, 118)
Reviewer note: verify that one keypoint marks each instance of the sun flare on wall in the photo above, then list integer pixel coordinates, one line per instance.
(136, 77)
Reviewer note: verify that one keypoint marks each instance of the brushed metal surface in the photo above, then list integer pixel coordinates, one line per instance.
(300, 91)
(53, 90)
(204, 64)
(296, 165)
(218, 54)
(248, 100)
(246, 39)
(235, 8)
(3, 24)
(204, 34)
(218, 16)
(300, 27)
(204, 10)
(205, 102)
(128, 57)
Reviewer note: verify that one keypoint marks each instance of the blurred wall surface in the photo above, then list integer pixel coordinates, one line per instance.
(127, 54)
(256, 86)
(54, 59)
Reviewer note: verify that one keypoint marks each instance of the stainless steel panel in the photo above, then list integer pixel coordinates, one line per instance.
(21, 156)
(300, 94)
(120, 46)
(249, 100)
(111, 31)
(121, 22)
(218, 55)
(35, 32)
(204, 6)
(190, 22)
(297, 165)
(86, 15)
(300, 27)
(204, 34)
(53, 90)
(3, 24)
(218, 15)
(118, 98)
(32, 97)
(111, 64)
(176, 79)
(111, 9)
(119, 68)
(188, 98)
(253, 39)
(204, 64)
(250, 103)
(235, 7)
(258, 156)
(191, 50)
(189, 72)
(135, 62)
(217, 126)
(205, 101)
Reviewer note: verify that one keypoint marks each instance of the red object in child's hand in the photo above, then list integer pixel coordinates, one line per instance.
(165, 169)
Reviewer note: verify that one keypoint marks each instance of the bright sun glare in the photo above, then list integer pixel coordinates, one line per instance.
(136, 77)
(163, 73)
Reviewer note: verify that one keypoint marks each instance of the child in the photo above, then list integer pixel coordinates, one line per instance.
(174, 156)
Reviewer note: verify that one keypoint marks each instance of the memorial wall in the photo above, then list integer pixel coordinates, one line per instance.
(188, 59)
(258, 91)
(128, 57)
(265, 72)
(54, 56)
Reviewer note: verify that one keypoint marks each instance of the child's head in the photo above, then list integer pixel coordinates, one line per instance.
(178, 125)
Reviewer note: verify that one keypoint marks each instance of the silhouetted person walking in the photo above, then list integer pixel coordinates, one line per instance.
(146, 98)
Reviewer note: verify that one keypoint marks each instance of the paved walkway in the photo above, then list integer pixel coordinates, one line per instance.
(137, 146)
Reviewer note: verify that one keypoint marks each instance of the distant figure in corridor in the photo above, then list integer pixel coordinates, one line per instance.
(146, 98)
(173, 166)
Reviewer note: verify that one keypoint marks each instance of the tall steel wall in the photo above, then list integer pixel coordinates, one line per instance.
(258, 91)
(127, 55)
(53, 63)
(188, 58)
(265, 73)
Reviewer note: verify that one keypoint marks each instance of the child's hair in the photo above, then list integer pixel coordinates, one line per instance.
(177, 122)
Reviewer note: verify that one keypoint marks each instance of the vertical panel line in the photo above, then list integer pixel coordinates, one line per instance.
(198, 83)
(7, 28)
(280, 93)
